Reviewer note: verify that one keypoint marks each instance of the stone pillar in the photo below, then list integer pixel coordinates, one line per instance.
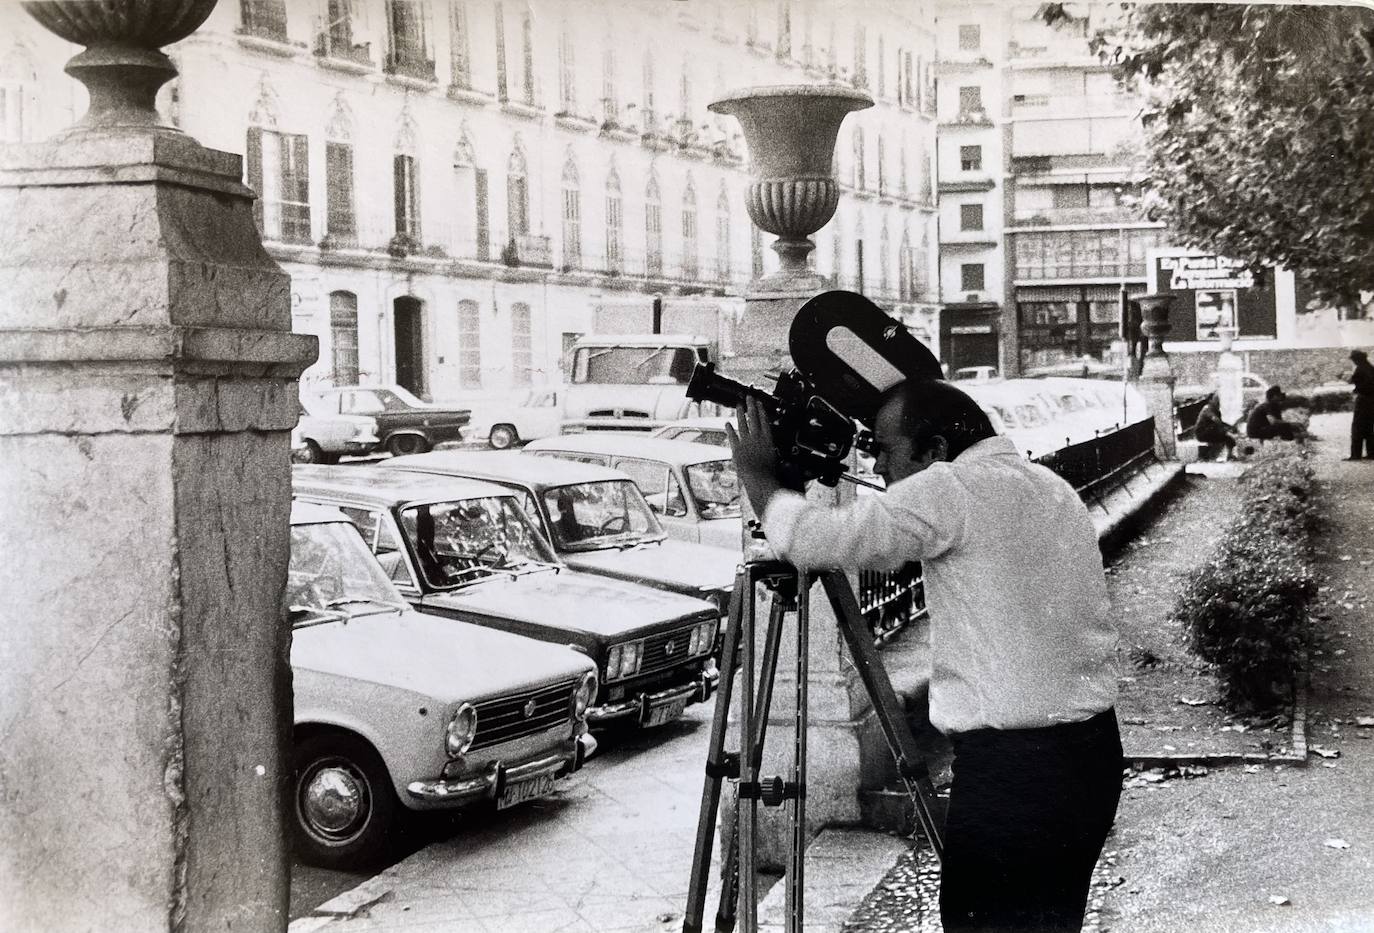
(147, 388)
(1230, 394)
(790, 133)
(1157, 375)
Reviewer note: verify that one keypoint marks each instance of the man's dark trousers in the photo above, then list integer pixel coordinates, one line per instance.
(1362, 427)
(1029, 810)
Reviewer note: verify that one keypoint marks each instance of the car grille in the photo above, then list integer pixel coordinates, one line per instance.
(656, 655)
(504, 719)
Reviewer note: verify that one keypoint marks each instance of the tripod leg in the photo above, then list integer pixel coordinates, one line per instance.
(874, 676)
(746, 819)
(796, 855)
(719, 765)
(729, 894)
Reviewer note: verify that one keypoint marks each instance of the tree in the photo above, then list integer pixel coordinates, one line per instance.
(1259, 130)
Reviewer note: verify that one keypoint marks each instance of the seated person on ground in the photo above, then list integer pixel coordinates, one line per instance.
(1211, 429)
(1266, 419)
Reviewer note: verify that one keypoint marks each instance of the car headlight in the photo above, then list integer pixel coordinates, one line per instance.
(702, 638)
(623, 659)
(583, 695)
(462, 729)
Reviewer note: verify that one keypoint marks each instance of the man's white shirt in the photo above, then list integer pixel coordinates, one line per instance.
(1021, 633)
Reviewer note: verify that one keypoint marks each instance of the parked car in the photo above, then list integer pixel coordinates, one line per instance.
(321, 437)
(693, 487)
(406, 424)
(399, 711)
(532, 414)
(464, 549)
(596, 518)
(975, 374)
(697, 430)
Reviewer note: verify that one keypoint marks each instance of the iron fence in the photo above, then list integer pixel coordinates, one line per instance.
(892, 600)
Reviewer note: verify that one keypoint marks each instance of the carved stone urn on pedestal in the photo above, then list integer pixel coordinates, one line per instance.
(1154, 312)
(790, 131)
(122, 66)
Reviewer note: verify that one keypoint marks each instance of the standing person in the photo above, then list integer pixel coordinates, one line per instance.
(1362, 422)
(1266, 419)
(1023, 676)
(1211, 429)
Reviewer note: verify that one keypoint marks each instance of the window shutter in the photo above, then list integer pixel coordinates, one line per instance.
(252, 163)
(399, 190)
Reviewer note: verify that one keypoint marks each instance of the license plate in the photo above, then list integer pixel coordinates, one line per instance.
(668, 713)
(525, 790)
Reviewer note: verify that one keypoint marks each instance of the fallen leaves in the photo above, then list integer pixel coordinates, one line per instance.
(1193, 701)
(1325, 752)
(1365, 722)
(1336, 844)
(1278, 900)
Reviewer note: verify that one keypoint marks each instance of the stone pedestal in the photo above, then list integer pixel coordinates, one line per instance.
(1230, 393)
(1157, 375)
(147, 389)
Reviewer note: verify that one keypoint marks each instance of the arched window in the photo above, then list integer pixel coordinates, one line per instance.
(527, 54)
(469, 345)
(567, 70)
(610, 90)
(517, 194)
(18, 81)
(723, 235)
(615, 222)
(647, 108)
(884, 260)
(653, 228)
(690, 261)
(859, 178)
(882, 168)
(406, 183)
(343, 337)
(572, 216)
(341, 226)
(460, 55)
(522, 344)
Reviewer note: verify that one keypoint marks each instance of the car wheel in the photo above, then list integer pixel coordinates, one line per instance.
(402, 444)
(503, 436)
(343, 804)
(308, 453)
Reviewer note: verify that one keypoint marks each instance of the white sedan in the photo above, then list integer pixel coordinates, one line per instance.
(534, 414)
(322, 437)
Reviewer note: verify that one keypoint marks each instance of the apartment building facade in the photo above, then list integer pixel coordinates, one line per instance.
(455, 185)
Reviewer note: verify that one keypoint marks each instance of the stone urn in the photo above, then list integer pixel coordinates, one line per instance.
(790, 131)
(1154, 313)
(122, 66)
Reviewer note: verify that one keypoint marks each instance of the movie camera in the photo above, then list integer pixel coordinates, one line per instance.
(847, 352)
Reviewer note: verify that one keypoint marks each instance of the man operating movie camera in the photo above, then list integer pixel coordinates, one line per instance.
(1023, 680)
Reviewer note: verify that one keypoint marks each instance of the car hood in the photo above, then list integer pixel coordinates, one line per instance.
(441, 658)
(585, 606)
(681, 566)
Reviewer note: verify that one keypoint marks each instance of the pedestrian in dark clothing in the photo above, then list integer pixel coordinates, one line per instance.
(1362, 423)
(1266, 419)
(1211, 429)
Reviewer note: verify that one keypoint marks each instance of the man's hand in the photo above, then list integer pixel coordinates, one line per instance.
(756, 460)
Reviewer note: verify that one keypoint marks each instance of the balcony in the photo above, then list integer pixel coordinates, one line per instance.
(1073, 136)
(409, 63)
(528, 249)
(1049, 107)
(1063, 216)
(337, 46)
(263, 19)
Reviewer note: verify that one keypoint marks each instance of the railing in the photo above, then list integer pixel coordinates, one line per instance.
(1095, 467)
(890, 601)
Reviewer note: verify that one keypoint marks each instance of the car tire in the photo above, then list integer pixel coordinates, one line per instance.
(399, 445)
(344, 809)
(503, 436)
(310, 453)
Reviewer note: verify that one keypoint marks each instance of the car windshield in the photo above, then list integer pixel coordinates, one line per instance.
(591, 516)
(332, 576)
(466, 540)
(715, 487)
(634, 365)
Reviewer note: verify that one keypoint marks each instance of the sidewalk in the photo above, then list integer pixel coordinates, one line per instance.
(1266, 843)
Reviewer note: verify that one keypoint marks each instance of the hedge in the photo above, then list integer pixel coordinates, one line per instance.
(1245, 610)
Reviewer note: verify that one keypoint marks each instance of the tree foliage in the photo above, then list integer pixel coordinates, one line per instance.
(1259, 130)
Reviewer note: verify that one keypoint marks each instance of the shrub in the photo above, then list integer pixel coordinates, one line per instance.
(1245, 609)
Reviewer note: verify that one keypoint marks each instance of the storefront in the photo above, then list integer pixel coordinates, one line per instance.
(969, 335)
(1060, 323)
